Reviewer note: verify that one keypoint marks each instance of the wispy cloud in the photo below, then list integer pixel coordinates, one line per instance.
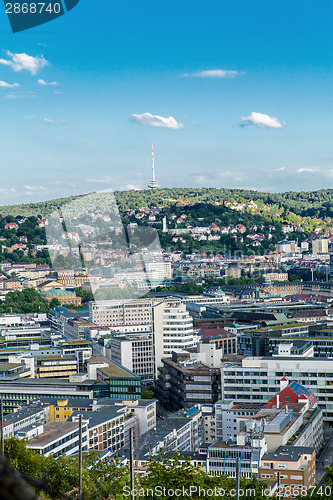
(216, 177)
(7, 190)
(34, 188)
(6, 85)
(101, 180)
(49, 84)
(62, 183)
(13, 96)
(157, 121)
(215, 73)
(307, 170)
(48, 120)
(260, 120)
(24, 62)
(281, 169)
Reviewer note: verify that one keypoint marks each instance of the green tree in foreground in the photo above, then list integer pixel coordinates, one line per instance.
(108, 479)
(174, 473)
(101, 480)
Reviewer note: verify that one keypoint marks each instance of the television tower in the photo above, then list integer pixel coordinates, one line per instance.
(153, 184)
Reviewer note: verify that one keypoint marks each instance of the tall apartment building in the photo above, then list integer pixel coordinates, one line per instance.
(258, 378)
(172, 328)
(158, 271)
(177, 329)
(121, 312)
(134, 351)
(320, 246)
(183, 382)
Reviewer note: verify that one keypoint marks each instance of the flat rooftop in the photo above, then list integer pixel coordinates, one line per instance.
(288, 453)
(52, 432)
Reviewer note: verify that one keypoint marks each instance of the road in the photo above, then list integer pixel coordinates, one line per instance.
(324, 460)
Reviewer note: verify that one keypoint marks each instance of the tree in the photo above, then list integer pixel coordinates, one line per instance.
(27, 301)
(175, 473)
(54, 303)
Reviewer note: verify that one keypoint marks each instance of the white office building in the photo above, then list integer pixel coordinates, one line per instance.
(121, 312)
(257, 379)
(177, 329)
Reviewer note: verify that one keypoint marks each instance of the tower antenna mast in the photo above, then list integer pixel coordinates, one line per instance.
(153, 184)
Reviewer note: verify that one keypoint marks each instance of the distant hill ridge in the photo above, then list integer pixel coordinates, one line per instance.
(303, 204)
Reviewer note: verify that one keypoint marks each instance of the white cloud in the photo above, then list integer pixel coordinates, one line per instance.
(24, 62)
(260, 120)
(48, 120)
(309, 170)
(44, 83)
(13, 96)
(216, 177)
(62, 183)
(281, 169)
(8, 85)
(101, 180)
(157, 121)
(216, 73)
(34, 188)
(7, 190)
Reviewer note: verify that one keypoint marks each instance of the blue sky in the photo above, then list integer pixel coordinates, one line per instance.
(248, 87)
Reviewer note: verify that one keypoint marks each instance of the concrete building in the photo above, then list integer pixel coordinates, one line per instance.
(16, 392)
(183, 382)
(229, 414)
(248, 448)
(177, 329)
(121, 312)
(223, 339)
(319, 246)
(292, 466)
(258, 379)
(122, 383)
(60, 438)
(105, 427)
(134, 351)
(178, 432)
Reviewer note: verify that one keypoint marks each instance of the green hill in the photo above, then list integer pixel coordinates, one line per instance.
(304, 204)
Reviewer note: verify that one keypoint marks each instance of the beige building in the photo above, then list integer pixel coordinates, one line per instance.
(13, 284)
(121, 312)
(291, 466)
(68, 278)
(320, 246)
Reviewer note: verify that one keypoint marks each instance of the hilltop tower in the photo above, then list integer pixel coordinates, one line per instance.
(153, 184)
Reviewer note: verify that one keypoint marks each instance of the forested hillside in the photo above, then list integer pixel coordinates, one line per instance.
(305, 204)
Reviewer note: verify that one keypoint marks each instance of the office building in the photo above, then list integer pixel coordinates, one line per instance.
(258, 379)
(292, 467)
(320, 245)
(183, 381)
(60, 438)
(121, 312)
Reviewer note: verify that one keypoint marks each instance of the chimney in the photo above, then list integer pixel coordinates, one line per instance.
(278, 401)
(284, 382)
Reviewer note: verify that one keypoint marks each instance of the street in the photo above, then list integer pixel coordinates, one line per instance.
(323, 461)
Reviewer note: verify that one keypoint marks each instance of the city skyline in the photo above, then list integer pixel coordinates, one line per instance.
(234, 96)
